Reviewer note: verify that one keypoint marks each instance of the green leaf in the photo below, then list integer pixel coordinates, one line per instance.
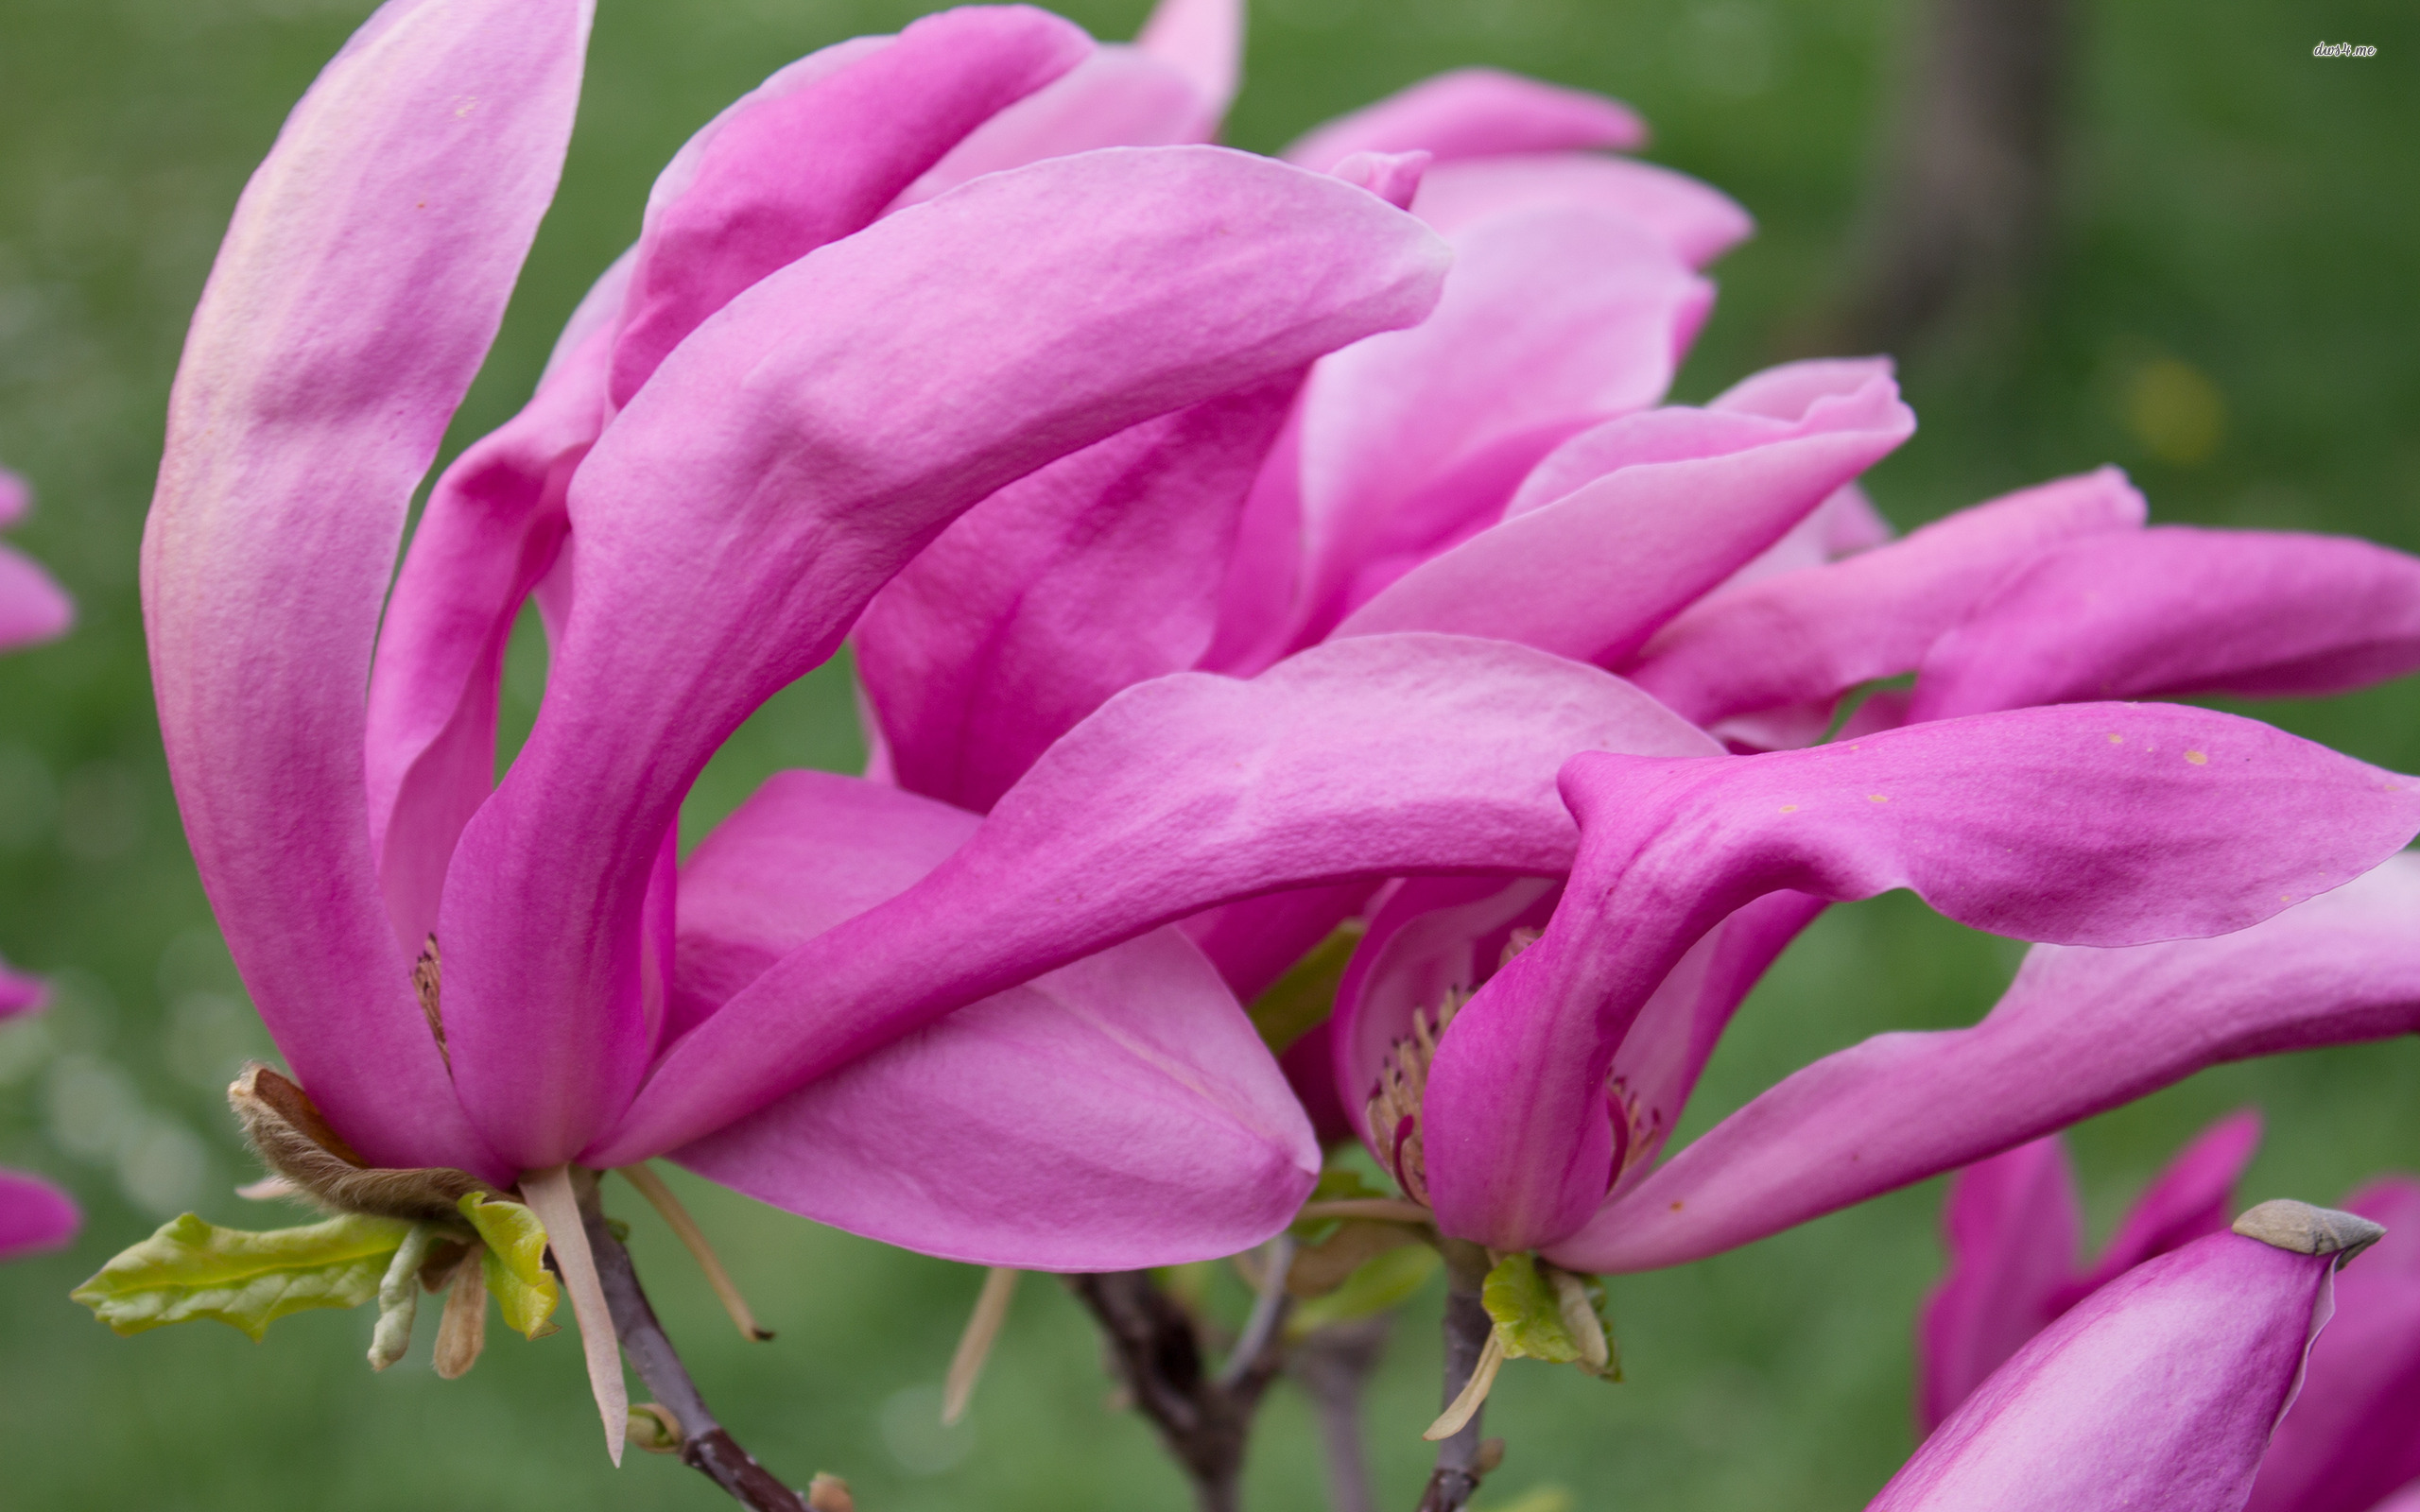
(1537, 1310)
(513, 1261)
(191, 1270)
(1304, 996)
(1384, 1282)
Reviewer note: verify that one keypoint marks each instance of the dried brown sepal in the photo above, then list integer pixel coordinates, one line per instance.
(443, 1256)
(2304, 1229)
(291, 1137)
(827, 1492)
(462, 1329)
(427, 976)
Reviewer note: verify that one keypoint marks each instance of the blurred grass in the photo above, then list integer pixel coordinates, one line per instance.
(2227, 314)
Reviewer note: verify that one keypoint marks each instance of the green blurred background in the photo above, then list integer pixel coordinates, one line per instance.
(2228, 312)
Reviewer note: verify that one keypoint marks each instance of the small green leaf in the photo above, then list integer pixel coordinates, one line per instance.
(1385, 1281)
(1529, 1316)
(191, 1270)
(513, 1261)
(1304, 996)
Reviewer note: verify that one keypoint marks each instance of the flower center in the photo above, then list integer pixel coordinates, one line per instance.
(1403, 1081)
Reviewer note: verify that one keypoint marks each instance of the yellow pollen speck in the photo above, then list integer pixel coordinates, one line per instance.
(1876, 798)
(1790, 808)
(2196, 757)
(1676, 1207)
(2284, 896)
(2116, 740)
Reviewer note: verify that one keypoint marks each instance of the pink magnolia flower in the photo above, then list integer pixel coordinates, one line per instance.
(2012, 1222)
(34, 1216)
(2162, 1387)
(814, 358)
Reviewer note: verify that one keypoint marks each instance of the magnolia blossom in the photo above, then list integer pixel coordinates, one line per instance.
(2013, 1224)
(34, 1216)
(2161, 1388)
(818, 352)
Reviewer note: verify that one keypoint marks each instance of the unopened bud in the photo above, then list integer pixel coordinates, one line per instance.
(829, 1493)
(655, 1429)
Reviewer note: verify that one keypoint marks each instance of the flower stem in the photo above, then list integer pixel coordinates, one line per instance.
(1468, 1330)
(706, 1446)
(1335, 1364)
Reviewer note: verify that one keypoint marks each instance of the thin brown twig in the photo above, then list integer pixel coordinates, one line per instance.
(1335, 1364)
(1461, 1458)
(1157, 1351)
(706, 1446)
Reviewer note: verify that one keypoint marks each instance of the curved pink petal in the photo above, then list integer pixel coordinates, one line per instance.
(21, 994)
(1809, 636)
(2348, 1443)
(358, 289)
(2177, 611)
(858, 399)
(1690, 496)
(33, 608)
(1102, 570)
(1255, 941)
(1475, 113)
(493, 526)
(1204, 39)
(1372, 758)
(2091, 823)
(2080, 1031)
(1700, 221)
(34, 1216)
(1554, 318)
(2013, 1226)
(2160, 1391)
(816, 155)
(1118, 1112)
(2192, 1197)
(16, 497)
(1118, 97)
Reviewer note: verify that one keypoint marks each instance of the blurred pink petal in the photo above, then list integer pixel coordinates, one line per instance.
(1475, 113)
(34, 1216)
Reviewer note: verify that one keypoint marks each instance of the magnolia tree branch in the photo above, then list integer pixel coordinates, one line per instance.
(1157, 1352)
(705, 1445)
(1335, 1364)
(1460, 1459)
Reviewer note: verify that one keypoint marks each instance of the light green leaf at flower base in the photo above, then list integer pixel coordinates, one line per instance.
(1380, 1284)
(513, 1262)
(1523, 1298)
(191, 1270)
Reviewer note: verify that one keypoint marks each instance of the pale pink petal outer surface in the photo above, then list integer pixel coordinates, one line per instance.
(2094, 823)
(1204, 39)
(1118, 1112)
(1700, 222)
(34, 1216)
(1475, 113)
(2081, 1030)
(1371, 758)
(359, 286)
(2159, 1391)
(2349, 1440)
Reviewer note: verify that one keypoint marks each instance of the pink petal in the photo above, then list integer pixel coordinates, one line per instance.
(1368, 759)
(358, 291)
(1808, 637)
(493, 526)
(2080, 1031)
(2194, 1195)
(1257, 940)
(2177, 611)
(1700, 222)
(1204, 39)
(1690, 496)
(33, 608)
(16, 497)
(2158, 1392)
(2013, 1226)
(2092, 823)
(816, 155)
(1475, 113)
(1100, 571)
(34, 1216)
(1554, 318)
(1118, 97)
(21, 994)
(2349, 1442)
(964, 1140)
(859, 400)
